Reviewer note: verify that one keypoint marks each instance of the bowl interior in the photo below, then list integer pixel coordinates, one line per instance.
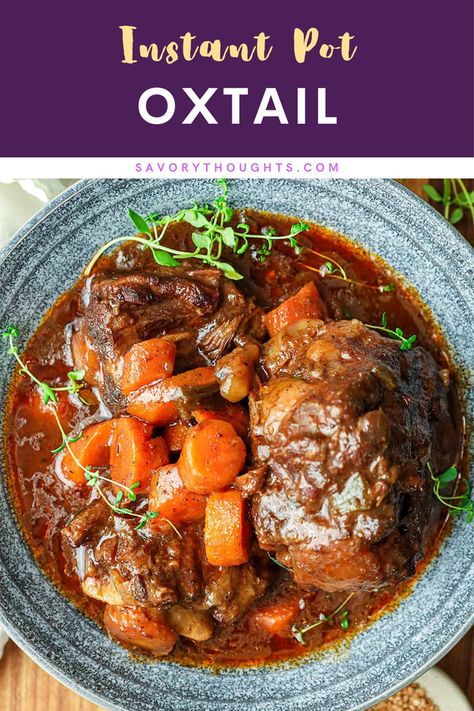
(45, 258)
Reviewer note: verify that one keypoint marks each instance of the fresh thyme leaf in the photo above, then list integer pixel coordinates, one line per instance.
(432, 193)
(457, 503)
(228, 237)
(228, 270)
(164, 258)
(222, 182)
(139, 222)
(461, 200)
(119, 497)
(195, 218)
(245, 243)
(456, 196)
(245, 229)
(388, 287)
(344, 622)
(298, 633)
(152, 217)
(59, 449)
(149, 516)
(200, 240)
(75, 378)
(11, 332)
(76, 375)
(265, 250)
(48, 393)
(76, 438)
(405, 343)
(269, 231)
(299, 227)
(456, 215)
(449, 475)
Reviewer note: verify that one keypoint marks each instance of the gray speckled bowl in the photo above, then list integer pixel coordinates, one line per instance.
(44, 259)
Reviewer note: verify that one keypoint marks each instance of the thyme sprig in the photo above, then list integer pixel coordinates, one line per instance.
(93, 476)
(455, 199)
(299, 632)
(48, 391)
(345, 621)
(282, 565)
(334, 271)
(461, 503)
(212, 232)
(405, 343)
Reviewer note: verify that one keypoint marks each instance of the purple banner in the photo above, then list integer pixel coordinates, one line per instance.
(356, 79)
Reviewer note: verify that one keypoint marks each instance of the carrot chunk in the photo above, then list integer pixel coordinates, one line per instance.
(91, 450)
(212, 456)
(140, 628)
(147, 362)
(226, 529)
(175, 435)
(158, 453)
(131, 453)
(156, 403)
(235, 414)
(169, 497)
(147, 407)
(306, 303)
(192, 379)
(276, 618)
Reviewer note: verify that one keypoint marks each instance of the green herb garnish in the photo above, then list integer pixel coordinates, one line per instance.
(299, 632)
(405, 343)
(462, 503)
(212, 232)
(344, 621)
(455, 199)
(285, 567)
(332, 269)
(48, 391)
(93, 476)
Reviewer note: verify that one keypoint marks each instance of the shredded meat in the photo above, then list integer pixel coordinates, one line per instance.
(197, 308)
(86, 522)
(229, 592)
(156, 571)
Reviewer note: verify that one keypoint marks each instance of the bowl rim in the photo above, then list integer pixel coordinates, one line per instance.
(24, 231)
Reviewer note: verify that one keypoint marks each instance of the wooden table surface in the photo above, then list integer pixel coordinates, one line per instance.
(26, 687)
